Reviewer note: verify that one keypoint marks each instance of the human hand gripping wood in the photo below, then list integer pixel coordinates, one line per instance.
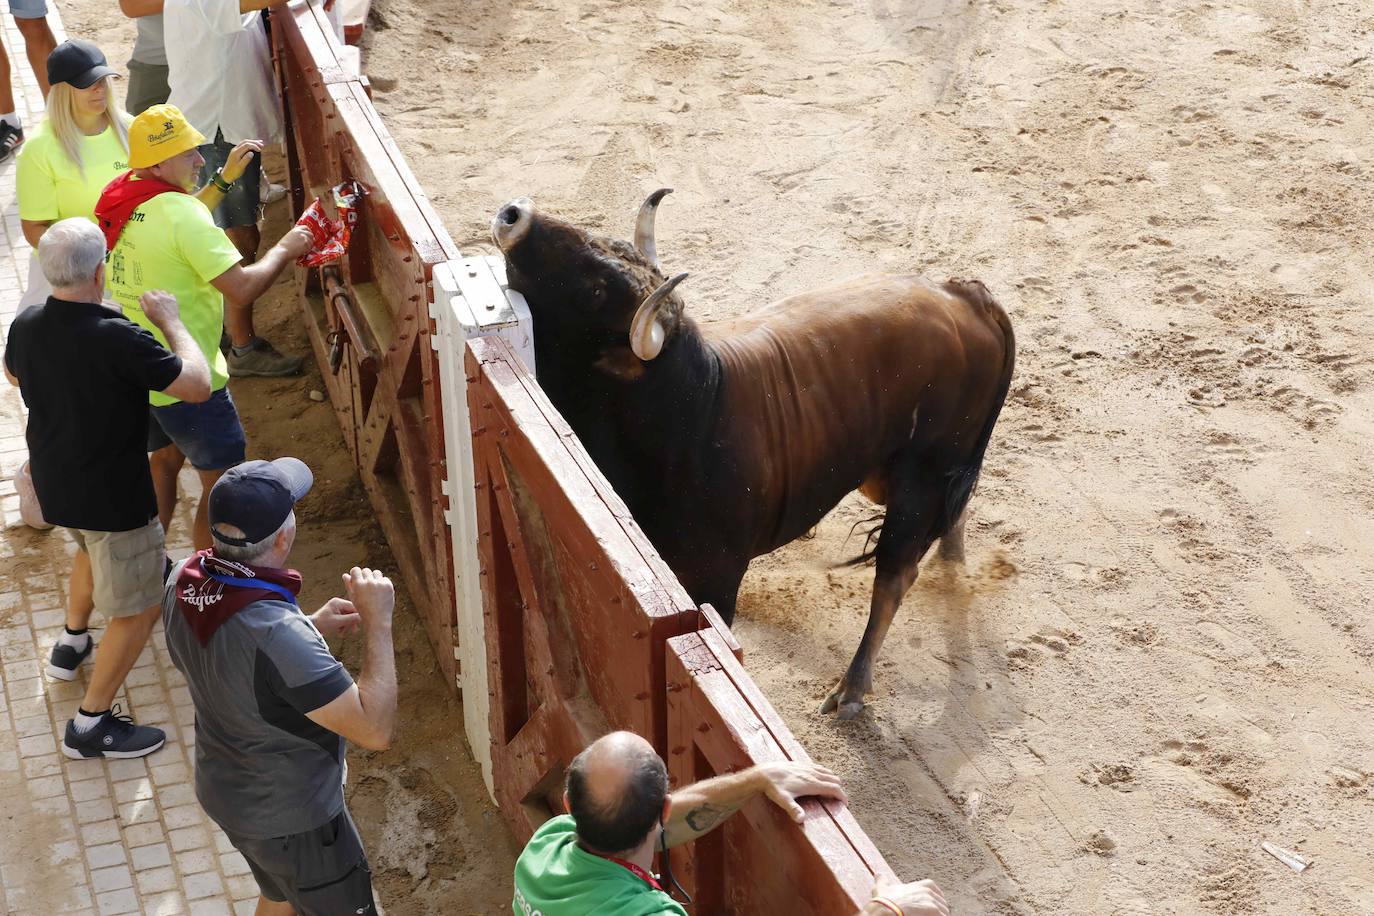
(786, 782)
(918, 898)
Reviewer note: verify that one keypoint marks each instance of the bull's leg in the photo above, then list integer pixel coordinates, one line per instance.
(722, 591)
(952, 541)
(908, 532)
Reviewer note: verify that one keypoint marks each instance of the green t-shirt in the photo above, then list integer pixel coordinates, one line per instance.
(49, 184)
(556, 877)
(171, 242)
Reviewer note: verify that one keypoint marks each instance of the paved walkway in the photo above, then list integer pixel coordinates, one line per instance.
(123, 836)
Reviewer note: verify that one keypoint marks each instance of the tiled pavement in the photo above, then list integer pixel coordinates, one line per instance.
(90, 836)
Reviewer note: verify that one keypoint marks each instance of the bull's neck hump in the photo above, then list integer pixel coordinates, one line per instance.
(682, 384)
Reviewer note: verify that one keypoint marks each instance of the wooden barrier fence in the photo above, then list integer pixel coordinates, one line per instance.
(543, 599)
(368, 317)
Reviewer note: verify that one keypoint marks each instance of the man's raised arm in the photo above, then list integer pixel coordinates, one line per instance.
(700, 807)
(365, 713)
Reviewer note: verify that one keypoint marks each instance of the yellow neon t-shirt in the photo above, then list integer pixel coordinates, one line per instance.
(171, 242)
(50, 185)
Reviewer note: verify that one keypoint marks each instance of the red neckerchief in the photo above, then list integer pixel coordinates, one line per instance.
(206, 603)
(122, 197)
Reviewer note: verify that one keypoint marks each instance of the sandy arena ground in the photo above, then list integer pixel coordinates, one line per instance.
(1159, 656)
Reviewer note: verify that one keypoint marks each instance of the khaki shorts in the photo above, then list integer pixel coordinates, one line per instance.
(147, 86)
(126, 566)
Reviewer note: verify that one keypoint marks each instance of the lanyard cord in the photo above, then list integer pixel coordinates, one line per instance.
(647, 878)
(635, 870)
(668, 867)
(260, 584)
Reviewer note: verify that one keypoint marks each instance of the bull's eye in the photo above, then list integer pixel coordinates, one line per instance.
(510, 215)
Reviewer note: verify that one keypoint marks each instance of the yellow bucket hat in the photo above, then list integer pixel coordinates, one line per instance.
(158, 134)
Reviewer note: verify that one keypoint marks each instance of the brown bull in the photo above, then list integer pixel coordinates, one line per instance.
(729, 439)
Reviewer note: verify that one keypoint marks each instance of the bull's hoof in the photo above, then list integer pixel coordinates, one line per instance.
(844, 701)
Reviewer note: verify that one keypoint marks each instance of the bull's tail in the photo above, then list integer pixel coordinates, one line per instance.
(962, 480)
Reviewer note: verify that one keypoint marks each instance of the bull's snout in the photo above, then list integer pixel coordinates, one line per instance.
(511, 223)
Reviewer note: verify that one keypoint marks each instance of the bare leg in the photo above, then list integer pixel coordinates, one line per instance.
(38, 44)
(6, 93)
(166, 464)
(273, 908)
(238, 319)
(80, 592)
(124, 639)
(201, 538)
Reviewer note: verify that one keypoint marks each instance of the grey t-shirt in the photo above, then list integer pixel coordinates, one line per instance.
(148, 43)
(263, 769)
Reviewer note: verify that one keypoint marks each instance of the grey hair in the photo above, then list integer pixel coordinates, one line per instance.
(248, 553)
(70, 251)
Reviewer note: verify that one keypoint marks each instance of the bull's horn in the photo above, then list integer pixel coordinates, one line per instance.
(644, 226)
(647, 333)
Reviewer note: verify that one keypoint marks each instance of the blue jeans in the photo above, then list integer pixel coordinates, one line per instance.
(28, 9)
(208, 434)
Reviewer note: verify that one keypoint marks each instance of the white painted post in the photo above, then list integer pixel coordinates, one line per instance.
(471, 300)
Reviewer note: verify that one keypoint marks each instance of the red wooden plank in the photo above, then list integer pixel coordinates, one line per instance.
(307, 33)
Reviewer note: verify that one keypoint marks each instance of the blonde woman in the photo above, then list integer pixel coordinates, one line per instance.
(80, 147)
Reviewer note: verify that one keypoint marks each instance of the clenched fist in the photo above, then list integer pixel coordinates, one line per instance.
(372, 596)
(161, 307)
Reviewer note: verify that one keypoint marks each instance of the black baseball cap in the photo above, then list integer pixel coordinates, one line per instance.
(256, 497)
(79, 63)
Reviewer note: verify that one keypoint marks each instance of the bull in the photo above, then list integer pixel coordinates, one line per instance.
(728, 439)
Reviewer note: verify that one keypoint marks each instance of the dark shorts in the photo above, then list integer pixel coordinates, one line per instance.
(322, 872)
(241, 205)
(208, 434)
(147, 86)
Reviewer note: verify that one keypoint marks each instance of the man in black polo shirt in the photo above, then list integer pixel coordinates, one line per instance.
(85, 372)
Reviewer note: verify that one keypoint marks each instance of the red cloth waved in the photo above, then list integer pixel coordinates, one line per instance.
(121, 198)
(206, 603)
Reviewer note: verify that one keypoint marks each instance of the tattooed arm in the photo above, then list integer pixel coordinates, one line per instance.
(703, 806)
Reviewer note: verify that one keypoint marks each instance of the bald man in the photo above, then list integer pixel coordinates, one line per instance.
(597, 858)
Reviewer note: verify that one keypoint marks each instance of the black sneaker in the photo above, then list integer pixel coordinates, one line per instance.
(64, 660)
(10, 138)
(263, 360)
(114, 735)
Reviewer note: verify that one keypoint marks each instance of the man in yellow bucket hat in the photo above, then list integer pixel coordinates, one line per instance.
(161, 237)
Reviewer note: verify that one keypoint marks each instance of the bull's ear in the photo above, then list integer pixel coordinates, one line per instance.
(649, 330)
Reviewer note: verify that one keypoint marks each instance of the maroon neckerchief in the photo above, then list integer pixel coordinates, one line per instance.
(206, 603)
(122, 197)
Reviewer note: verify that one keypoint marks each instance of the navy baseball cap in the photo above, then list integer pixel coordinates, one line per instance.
(79, 63)
(256, 497)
